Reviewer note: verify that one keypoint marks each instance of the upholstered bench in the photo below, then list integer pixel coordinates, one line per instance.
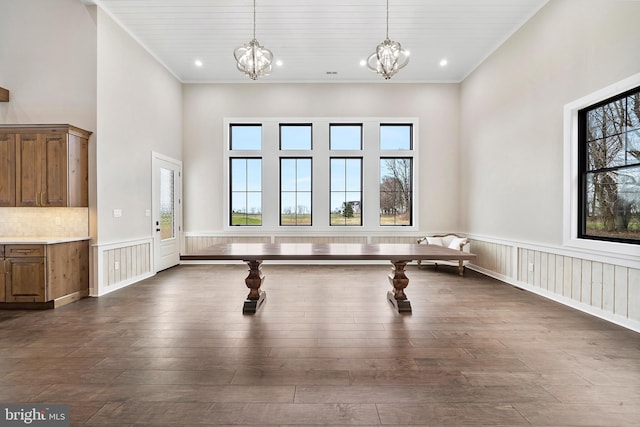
(452, 241)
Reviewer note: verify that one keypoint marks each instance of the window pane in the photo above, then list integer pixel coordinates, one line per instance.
(238, 174)
(304, 175)
(246, 191)
(595, 124)
(353, 174)
(246, 137)
(606, 153)
(345, 137)
(238, 208)
(288, 208)
(338, 178)
(396, 195)
(395, 137)
(612, 203)
(295, 191)
(346, 191)
(295, 137)
(254, 206)
(288, 175)
(167, 204)
(633, 111)
(633, 147)
(254, 174)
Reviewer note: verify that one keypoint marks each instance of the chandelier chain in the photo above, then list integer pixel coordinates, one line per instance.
(387, 18)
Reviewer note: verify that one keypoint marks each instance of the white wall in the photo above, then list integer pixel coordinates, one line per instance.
(436, 106)
(512, 113)
(48, 62)
(139, 106)
(512, 144)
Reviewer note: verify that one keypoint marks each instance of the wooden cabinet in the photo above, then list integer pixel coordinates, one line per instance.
(3, 274)
(7, 170)
(25, 273)
(49, 166)
(51, 274)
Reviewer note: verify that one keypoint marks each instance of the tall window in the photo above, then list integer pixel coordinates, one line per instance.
(396, 174)
(295, 191)
(609, 168)
(396, 194)
(346, 191)
(246, 191)
(245, 174)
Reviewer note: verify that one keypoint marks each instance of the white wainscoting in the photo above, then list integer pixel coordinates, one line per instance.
(120, 264)
(594, 283)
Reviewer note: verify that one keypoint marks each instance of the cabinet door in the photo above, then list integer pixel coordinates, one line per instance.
(25, 281)
(77, 171)
(54, 174)
(7, 170)
(29, 166)
(3, 274)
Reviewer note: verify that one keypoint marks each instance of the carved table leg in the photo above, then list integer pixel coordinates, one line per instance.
(253, 281)
(399, 281)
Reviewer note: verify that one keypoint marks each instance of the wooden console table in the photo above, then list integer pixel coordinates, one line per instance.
(398, 253)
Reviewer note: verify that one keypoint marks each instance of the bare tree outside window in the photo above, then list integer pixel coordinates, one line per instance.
(395, 191)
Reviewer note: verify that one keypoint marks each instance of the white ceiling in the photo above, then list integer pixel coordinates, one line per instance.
(315, 37)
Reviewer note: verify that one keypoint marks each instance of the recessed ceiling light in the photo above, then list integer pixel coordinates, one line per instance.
(363, 62)
(443, 62)
(279, 63)
(198, 63)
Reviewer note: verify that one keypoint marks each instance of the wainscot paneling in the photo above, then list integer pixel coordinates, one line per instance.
(492, 256)
(117, 265)
(603, 287)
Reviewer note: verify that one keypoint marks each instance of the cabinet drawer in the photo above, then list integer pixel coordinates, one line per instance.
(21, 251)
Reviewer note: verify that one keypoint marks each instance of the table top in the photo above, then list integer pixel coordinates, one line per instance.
(327, 251)
(39, 240)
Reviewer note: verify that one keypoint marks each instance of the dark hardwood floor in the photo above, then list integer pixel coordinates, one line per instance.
(325, 349)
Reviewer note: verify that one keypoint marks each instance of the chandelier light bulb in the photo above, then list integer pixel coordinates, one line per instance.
(253, 59)
(388, 58)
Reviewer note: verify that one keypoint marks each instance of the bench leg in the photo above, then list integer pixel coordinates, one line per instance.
(399, 281)
(253, 281)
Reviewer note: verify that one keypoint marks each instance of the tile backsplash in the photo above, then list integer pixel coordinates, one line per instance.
(44, 222)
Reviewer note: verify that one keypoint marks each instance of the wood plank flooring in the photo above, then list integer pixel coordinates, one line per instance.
(325, 349)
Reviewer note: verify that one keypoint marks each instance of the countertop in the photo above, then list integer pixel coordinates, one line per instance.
(39, 240)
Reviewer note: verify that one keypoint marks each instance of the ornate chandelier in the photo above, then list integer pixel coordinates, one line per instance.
(253, 59)
(389, 56)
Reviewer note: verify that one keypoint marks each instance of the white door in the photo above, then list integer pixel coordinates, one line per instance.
(167, 218)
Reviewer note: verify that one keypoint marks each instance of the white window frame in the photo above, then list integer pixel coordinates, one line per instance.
(321, 155)
(571, 178)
